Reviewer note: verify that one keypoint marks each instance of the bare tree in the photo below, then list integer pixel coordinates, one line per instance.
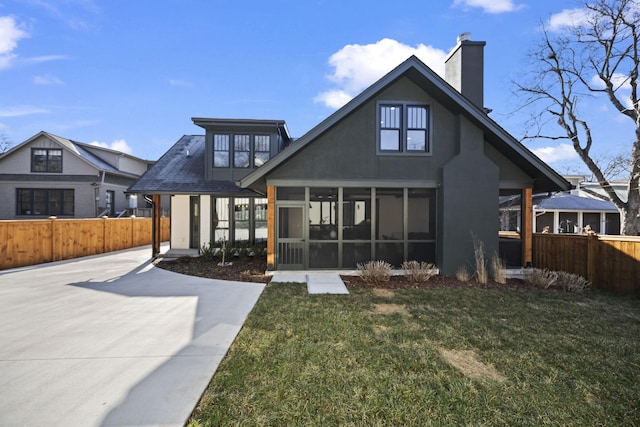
(5, 143)
(597, 57)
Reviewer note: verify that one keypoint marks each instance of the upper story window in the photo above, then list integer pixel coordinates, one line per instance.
(46, 160)
(247, 150)
(241, 151)
(261, 149)
(403, 128)
(221, 151)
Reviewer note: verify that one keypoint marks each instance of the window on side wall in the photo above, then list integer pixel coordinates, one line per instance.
(403, 128)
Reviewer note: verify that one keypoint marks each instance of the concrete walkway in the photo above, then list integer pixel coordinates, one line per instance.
(111, 340)
(317, 282)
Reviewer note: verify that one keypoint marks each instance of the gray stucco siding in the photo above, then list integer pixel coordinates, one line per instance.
(348, 150)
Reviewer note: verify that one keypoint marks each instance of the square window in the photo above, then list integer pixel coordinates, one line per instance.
(403, 128)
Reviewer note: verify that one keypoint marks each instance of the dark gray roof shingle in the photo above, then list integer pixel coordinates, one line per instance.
(570, 202)
(181, 171)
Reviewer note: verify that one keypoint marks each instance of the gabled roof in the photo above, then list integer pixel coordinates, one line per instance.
(181, 171)
(571, 202)
(545, 178)
(80, 150)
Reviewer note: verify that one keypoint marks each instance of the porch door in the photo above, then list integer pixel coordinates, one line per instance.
(291, 242)
(194, 222)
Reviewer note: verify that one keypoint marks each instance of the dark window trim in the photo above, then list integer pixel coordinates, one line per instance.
(232, 151)
(47, 160)
(47, 202)
(404, 129)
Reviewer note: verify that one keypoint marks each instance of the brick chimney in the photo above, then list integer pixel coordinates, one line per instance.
(464, 69)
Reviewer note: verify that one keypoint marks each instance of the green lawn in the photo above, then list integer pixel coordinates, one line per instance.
(442, 356)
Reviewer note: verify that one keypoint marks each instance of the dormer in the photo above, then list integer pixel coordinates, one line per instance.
(235, 147)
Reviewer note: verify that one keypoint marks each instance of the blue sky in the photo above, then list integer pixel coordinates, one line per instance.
(131, 74)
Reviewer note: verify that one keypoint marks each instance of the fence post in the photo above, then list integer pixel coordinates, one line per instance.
(592, 246)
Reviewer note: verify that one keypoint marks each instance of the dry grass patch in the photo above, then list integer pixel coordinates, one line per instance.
(467, 362)
(391, 309)
(384, 293)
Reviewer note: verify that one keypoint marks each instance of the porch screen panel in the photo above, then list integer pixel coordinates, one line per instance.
(356, 214)
(568, 222)
(389, 213)
(421, 225)
(390, 225)
(592, 220)
(323, 212)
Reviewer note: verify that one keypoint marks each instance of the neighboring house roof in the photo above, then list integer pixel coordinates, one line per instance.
(571, 202)
(595, 190)
(81, 151)
(546, 179)
(181, 170)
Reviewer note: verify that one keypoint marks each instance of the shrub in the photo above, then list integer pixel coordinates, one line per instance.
(208, 251)
(462, 274)
(482, 276)
(374, 272)
(419, 272)
(499, 269)
(562, 280)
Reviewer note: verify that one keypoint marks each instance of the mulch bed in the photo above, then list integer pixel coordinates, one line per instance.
(253, 269)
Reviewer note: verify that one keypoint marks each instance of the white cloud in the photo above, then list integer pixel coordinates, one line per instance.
(45, 58)
(556, 154)
(118, 145)
(490, 6)
(10, 33)
(358, 66)
(179, 82)
(47, 79)
(569, 18)
(21, 110)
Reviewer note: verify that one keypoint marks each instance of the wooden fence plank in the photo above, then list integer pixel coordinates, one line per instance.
(609, 262)
(32, 242)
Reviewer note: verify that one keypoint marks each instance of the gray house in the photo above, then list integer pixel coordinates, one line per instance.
(50, 175)
(410, 169)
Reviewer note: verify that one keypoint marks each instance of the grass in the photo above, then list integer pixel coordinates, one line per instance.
(439, 356)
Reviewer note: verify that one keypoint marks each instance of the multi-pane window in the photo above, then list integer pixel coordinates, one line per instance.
(261, 149)
(241, 214)
(221, 151)
(42, 201)
(246, 151)
(403, 128)
(46, 160)
(241, 151)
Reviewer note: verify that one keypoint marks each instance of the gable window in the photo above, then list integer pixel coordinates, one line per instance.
(241, 151)
(261, 149)
(220, 151)
(46, 160)
(403, 128)
(42, 201)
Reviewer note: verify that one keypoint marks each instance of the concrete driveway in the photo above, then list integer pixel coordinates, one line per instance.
(111, 340)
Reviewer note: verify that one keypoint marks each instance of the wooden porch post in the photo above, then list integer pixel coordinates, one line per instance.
(527, 227)
(271, 227)
(156, 229)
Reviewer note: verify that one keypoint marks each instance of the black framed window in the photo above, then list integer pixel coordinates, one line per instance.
(45, 202)
(403, 128)
(241, 151)
(46, 160)
(261, 149)
(220, 151)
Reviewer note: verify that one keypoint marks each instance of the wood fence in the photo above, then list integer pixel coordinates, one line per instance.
(32, 242)
(608, 262)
